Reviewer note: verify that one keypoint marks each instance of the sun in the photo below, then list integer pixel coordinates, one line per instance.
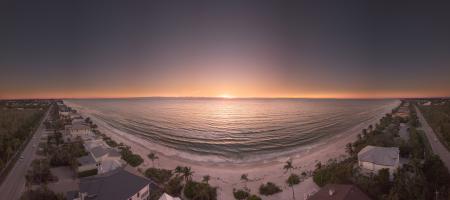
(226, 96)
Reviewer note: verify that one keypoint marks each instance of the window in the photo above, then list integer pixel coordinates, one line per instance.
(138, 194)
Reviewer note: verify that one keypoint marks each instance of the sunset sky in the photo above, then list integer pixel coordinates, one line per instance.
(314, 49)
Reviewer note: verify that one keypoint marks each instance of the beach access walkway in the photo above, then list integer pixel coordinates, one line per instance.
(436, 145)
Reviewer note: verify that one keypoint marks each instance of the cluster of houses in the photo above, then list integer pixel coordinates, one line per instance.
(111, 178)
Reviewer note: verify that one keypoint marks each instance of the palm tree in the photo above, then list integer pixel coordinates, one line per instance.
(288, 166)
(153, 157)
(206, 178)
(187, 173)
(179, 169)
(293, 179)
(349, 149)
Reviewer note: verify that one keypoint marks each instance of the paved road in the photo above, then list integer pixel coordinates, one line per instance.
(14, 183)
(438, 148)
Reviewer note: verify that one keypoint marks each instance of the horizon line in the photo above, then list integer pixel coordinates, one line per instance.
(229, 98)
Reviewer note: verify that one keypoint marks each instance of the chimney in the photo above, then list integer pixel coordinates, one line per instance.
(331, 192)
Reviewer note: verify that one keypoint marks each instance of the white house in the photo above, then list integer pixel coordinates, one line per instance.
(86, 163)
(165, 196)
(106, 159)
(78, 129)
(374, 158)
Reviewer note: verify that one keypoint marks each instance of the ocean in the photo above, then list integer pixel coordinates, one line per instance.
(236, 130)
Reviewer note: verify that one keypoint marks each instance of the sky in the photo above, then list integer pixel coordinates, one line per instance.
(305, 49)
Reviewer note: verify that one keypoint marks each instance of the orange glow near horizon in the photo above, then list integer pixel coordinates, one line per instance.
(238, 93)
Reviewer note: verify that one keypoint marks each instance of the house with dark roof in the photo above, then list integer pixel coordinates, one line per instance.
(119, 184)
(339, 192)
(373, 158)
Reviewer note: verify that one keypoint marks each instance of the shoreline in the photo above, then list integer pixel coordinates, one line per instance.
(226, 176)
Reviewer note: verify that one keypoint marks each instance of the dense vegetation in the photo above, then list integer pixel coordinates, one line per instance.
(131, 158)
(41, 193)
(200, 191)
(438, 117)
(16, 125)
(174, 182)
(39, 172)
(421, 178)
(158, 175)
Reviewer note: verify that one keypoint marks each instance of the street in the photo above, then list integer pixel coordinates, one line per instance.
(438, 148)
(14, 183)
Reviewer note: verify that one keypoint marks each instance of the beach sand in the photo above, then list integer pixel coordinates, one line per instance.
(226, 176)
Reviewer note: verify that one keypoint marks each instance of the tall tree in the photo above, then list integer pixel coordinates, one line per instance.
(153, 157)
(288, 166)
(293, 179)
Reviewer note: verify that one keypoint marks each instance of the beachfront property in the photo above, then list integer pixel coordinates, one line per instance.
(120, 184)
(78, 128)
(64, 111)
(373, 158)
(339, 192)
(100, 157)
(165, 196)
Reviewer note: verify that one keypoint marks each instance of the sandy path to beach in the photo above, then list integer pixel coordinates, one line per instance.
(227, 176)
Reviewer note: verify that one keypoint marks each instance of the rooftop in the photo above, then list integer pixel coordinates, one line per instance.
(98, 151)
(117, 184)
(339, 192)
(387, 156)
(86, 160)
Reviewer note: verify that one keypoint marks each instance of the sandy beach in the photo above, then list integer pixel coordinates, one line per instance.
(226, 176)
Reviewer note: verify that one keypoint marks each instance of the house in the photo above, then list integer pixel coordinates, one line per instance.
(373, 158)
(119, 184)
(339, 192)
(165, 196)
(106, 159)
(78, 129)
(86, 163)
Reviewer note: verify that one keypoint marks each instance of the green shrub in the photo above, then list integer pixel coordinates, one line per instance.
(254, 197)
(158, 175)
(86, 173)
(241, 194)
(269, 189)
(174, 186)
(199, 191)
(334, 172)
(132, 159)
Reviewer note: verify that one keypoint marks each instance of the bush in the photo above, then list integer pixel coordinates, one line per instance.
(334, 172)
(269, 189)
(91, 172)
(241, 194)
(132, 159)
(199, 191)
(174, 186)
(254, 197)
(158, 175)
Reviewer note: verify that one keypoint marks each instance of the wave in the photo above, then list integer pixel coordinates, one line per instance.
(233, 130)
